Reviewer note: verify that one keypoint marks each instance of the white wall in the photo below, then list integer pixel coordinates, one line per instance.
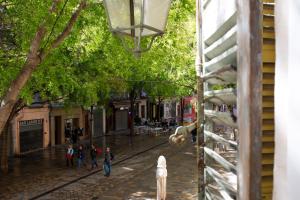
(217, 12)
(287, 101)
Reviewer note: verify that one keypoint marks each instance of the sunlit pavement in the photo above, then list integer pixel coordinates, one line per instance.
(131, 179)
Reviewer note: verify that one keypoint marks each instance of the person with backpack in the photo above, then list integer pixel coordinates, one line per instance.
(69, 155)
(108, 157)
(94, 157)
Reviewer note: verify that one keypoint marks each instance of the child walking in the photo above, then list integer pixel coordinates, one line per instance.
(69, 156)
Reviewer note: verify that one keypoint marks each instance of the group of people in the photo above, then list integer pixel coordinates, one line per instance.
(79, 153)
(73, 134)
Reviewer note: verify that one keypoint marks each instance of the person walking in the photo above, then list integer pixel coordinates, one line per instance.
(194, 136)
(108, 157)
(69, 155)
(94, 157)
(80, 156)
(161, 177)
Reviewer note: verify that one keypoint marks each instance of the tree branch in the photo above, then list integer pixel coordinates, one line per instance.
(188, 86)
(53, 8)
(60, 38)
(35, 44)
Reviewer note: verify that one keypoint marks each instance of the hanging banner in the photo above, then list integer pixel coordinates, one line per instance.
(189, 110)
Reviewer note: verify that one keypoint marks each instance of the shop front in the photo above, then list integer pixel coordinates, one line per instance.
(68, 125)
(31, 134)
(30, 130)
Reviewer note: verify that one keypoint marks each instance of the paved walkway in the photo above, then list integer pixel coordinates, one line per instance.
(133, 178)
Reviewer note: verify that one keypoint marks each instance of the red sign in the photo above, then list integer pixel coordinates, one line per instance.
(189, 110)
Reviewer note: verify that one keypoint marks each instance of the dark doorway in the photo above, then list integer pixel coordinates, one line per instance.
(58, 130)
(143, 111)
(121, 120)
(71, 129)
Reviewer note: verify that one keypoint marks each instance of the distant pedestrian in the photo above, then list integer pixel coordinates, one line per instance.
(194, 135)
(94, 157)
(80, 156)
(108, 157)
(161, 177)
(70, 155)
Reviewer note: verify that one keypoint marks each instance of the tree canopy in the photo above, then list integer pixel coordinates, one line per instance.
(91, 63)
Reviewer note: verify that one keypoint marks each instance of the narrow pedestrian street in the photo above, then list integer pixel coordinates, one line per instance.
(43, 174)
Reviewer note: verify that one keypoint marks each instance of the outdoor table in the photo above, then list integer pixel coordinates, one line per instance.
(140, 129)
(157, 130)
(157, 124)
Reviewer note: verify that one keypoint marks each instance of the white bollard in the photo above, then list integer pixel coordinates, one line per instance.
(161, 177)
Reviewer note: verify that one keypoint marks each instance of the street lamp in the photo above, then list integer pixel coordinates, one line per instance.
(137, 19)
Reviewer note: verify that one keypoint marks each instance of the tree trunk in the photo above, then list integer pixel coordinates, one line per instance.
(200, 108)
(181, 110)
(92, 125)
(159, 104)
(5, 136)
(13, 92)
(132, 113)
(4, 149)
(158, 111)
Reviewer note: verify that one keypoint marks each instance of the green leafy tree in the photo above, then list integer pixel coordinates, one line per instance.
(64, 50)
(39, 28)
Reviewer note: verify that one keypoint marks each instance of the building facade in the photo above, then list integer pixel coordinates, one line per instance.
(41, 126)
(64, 121)
(118, 114)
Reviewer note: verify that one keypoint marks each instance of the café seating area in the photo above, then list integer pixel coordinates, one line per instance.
(155, 128)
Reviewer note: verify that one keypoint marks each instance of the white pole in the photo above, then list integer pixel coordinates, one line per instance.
(161, 177)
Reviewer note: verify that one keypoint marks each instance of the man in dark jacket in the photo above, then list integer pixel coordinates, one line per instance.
(80, 156)
(94, 157)
(108, 157)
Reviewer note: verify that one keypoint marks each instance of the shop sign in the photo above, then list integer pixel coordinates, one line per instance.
(31, 122)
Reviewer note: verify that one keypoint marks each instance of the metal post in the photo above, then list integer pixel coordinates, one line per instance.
(200, 107)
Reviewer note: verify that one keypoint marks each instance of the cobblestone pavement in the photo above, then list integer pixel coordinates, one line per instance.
(133, 178)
